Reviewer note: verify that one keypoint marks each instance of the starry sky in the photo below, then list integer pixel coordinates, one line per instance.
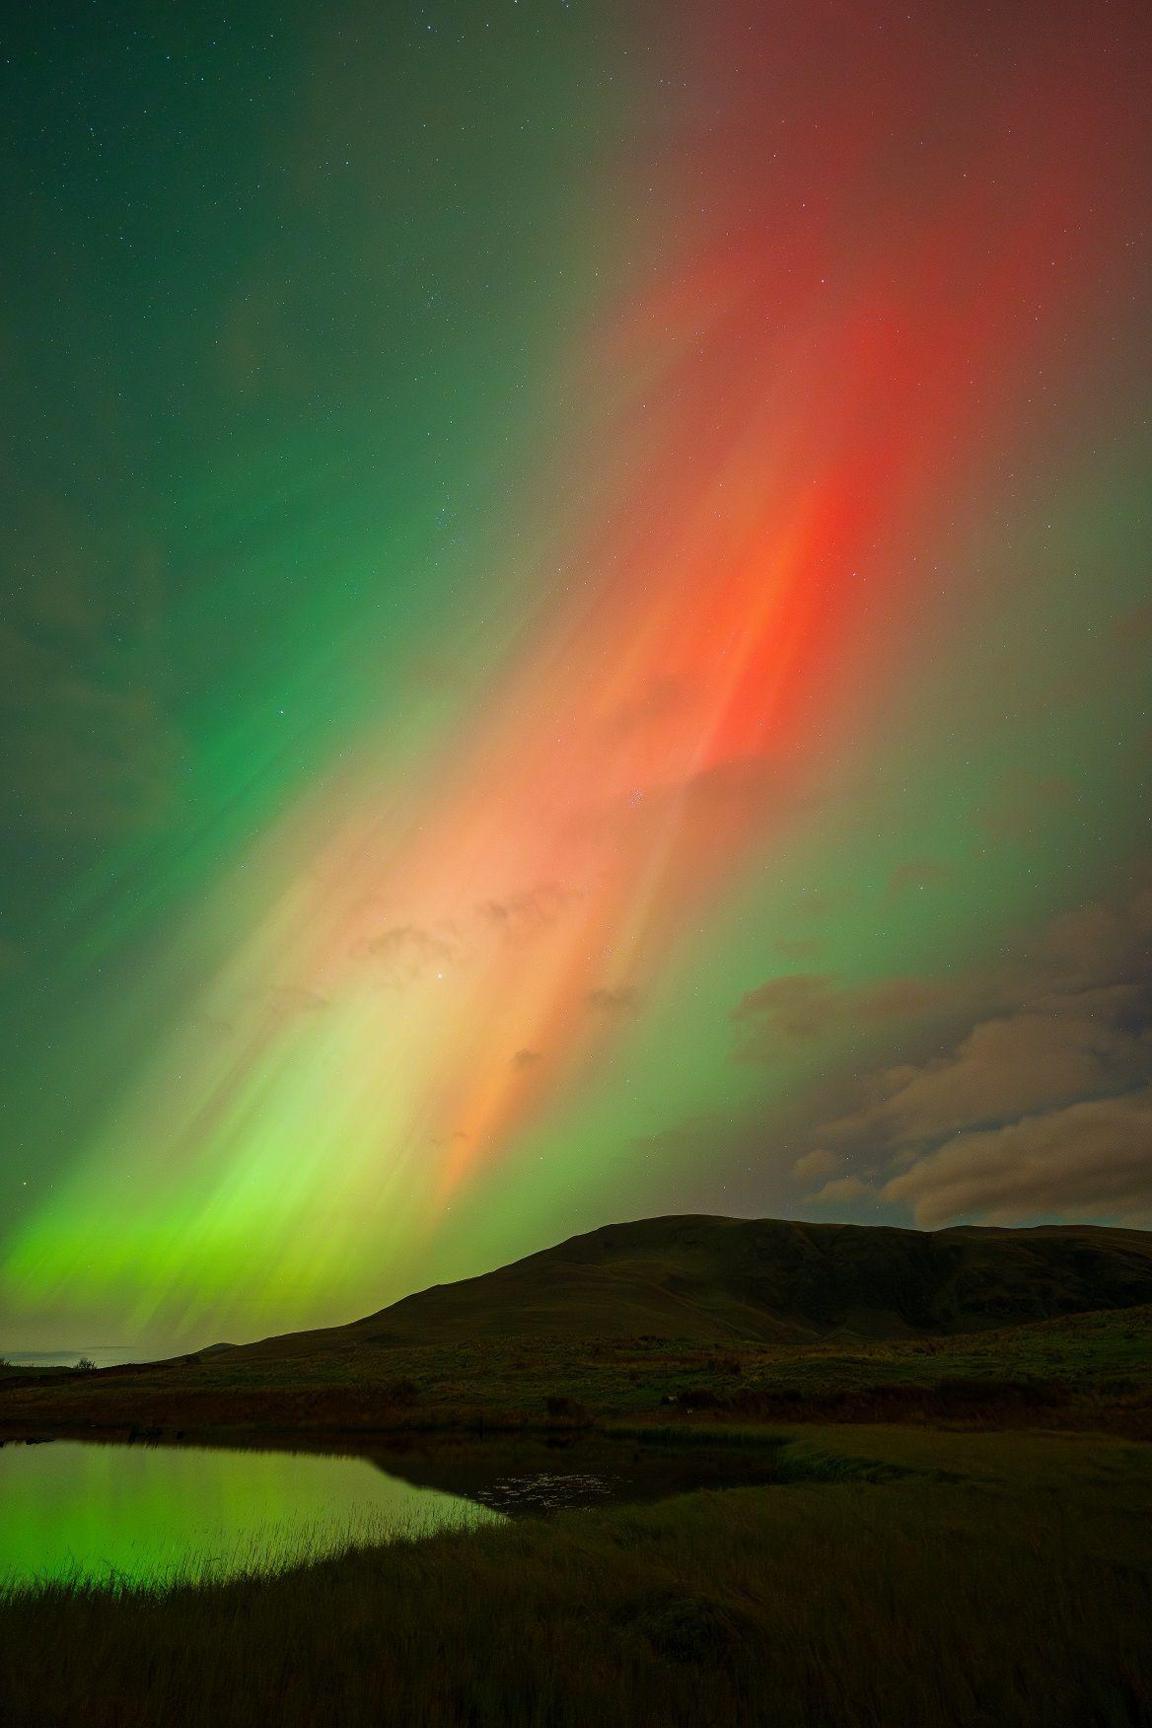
(575, 639)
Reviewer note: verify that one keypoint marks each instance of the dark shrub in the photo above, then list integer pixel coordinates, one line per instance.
(700, 1398)
(725, 1365)
(561, 1408)
(964, 1389)
(401, 1391)
(692, 1629)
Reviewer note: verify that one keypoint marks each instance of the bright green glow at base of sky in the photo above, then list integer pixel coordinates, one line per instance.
(577, 640)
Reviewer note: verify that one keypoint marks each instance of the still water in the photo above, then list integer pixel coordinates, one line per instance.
(127, 1514)
(131, 1513)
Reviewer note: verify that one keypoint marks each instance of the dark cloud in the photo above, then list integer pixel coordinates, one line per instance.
(406, 952)
(810, 1005)
(409, 951)
(801, 1006)
(520, 916)
(622, 1000)
(1093, 945)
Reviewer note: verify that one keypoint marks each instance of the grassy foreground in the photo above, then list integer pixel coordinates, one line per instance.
(1001, 1580)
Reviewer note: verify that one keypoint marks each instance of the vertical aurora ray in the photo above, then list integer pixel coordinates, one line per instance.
(842, 321)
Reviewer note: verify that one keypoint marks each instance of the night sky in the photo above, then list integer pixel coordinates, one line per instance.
(576, 635)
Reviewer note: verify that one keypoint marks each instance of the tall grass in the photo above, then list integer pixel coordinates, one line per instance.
(1013, 1595)
(278, 1549)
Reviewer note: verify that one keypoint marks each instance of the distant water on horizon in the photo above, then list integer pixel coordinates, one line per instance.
(104, 1356)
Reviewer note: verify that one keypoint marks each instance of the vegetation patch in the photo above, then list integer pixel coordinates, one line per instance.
(990, 1581)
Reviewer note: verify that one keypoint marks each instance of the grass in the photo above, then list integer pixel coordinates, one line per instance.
(1089, 1371)
(990, 1574)
(953, 1580)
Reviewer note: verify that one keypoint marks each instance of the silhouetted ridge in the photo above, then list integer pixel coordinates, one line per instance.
(705, 1278)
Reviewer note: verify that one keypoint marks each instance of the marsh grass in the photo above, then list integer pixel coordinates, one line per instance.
(994, 1583)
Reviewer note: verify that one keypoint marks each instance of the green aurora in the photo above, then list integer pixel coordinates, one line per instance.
(575, 643)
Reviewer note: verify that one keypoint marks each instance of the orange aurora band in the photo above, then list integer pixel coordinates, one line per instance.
(795, 392)
(780, 437)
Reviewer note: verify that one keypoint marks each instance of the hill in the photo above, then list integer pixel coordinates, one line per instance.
(678, 1319)
(723, 1280)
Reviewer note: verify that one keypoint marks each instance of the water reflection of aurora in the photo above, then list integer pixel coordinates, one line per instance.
(134, 1514)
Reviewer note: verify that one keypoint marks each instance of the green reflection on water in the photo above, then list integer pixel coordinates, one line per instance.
(136, 1514)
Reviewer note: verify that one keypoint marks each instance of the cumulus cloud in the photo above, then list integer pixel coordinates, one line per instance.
(815, 1164)
(1066, 1047)
(1090, 1159)
(845, 1188)
(1042, 1106)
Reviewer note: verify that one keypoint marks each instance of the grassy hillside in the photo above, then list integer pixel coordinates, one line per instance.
(722, 1280)
(697, 1319)
(1086, 1371)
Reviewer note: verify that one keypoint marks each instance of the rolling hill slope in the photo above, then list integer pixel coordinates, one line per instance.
(724, 1279)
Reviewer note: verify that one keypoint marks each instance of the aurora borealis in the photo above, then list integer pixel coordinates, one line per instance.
(576, 636)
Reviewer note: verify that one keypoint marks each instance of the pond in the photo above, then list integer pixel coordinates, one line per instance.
(136, 1513)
